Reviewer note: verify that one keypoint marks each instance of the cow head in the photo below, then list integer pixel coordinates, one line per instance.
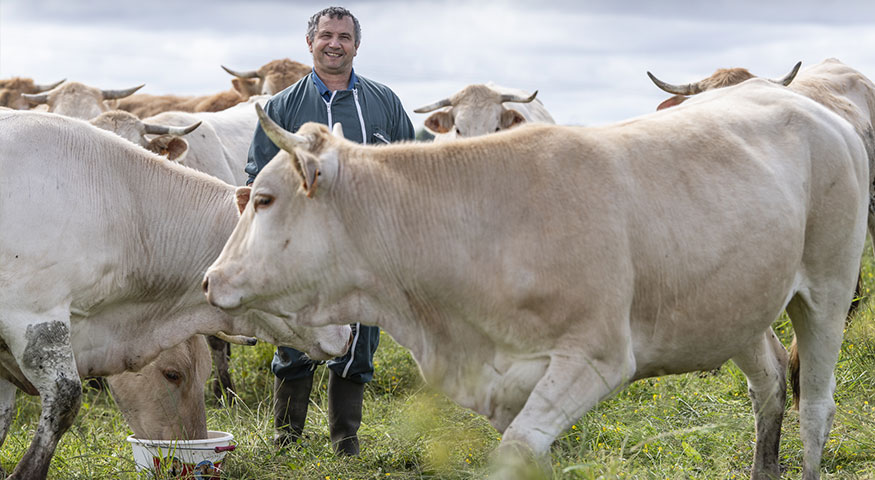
(723, 77)
(160, 139)
(78, 100)
(165, 399)
(475, 110)
(289, 255)
(11, 90)
(270, 79)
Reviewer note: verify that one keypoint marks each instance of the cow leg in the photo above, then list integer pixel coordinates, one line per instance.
(7, 411)
(43, 351)
(220, 350)
(818, 320)
(568, 389)
(7, 407)
(765, 365)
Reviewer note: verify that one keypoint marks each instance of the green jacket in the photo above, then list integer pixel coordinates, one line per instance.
(367, 105)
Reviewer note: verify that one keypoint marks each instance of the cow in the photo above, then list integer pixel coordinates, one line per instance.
(275, 76)
(534, 272)
(165, 398)
(221, 144)
(722, 77)
(78, 100)
(838, 87)
(479, 109)
(270, 79)
(163, 139)
(12, 88)
(102, 247)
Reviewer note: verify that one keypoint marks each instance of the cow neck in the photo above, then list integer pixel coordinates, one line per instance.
(184, 226)
(383, 194)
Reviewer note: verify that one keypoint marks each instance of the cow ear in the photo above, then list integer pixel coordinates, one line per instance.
(174, 147)
(510, 118)
(245, 87)
(337, 131)
(439, 122)
(671, 102)
(242, 195)
(307, 166)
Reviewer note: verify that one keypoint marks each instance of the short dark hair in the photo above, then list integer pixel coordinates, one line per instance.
(333, 12)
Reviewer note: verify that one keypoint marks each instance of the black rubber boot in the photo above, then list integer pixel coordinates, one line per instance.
(290, 401)
(344, 413)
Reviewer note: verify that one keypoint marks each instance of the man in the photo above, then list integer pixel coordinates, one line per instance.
(370, 113)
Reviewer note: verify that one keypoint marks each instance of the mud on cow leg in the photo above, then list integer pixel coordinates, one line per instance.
(47, 362)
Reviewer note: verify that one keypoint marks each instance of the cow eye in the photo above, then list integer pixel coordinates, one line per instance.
(172, 376)
(497, 128)
(262, 200)
(458, 132)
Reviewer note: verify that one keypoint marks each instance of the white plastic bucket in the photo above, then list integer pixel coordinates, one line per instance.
(183, 457)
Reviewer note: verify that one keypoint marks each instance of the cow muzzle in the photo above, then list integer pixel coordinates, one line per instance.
(220, 294)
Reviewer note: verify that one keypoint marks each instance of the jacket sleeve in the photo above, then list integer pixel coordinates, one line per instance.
(403, 126)
(262, 150)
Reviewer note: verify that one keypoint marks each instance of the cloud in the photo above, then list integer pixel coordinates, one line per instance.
(587, 59)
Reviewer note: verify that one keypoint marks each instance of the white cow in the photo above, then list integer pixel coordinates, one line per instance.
(535, 272)
(479, 109)
(77, 100)
(221, 144)
(102, 248)
(160, 139)
(838, 87)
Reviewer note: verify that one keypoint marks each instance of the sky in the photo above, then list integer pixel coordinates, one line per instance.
(587, 59)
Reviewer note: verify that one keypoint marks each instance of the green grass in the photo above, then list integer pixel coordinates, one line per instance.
(693, 426)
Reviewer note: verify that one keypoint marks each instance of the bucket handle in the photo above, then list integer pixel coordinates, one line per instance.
(227, 448)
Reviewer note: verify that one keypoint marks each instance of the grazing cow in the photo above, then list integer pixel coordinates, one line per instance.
(165, 399)
(275, 76)
(164, 140)
(479, 109)
(533, 273)
(12, 88)
(272, 78)
(77, 100)
(102, 246)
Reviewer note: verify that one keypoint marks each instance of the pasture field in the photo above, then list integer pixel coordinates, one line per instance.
(692, 426)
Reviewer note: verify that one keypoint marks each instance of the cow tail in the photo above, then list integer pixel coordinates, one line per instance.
(794, 372)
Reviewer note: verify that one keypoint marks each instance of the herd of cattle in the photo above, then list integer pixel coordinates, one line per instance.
(531, 272)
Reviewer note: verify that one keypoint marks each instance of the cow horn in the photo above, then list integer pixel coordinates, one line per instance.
(688, 89)
(236, 339)
(115, 94)
(48, 86)
(249, 74)
(434, 106)
(790, 76)
(165, 130)
(278, 135)
(36, 98)
(517, 98)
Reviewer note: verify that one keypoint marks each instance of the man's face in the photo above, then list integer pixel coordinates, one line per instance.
(333, 46)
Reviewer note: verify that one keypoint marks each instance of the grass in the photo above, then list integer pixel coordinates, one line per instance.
(692, 426)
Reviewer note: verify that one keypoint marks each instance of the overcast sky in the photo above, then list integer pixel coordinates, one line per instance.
(587, 59)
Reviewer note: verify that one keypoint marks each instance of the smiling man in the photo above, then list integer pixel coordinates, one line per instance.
(370, 113)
